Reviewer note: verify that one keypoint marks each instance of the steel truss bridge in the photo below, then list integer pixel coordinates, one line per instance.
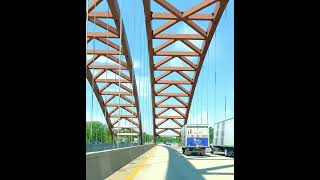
(118, 70)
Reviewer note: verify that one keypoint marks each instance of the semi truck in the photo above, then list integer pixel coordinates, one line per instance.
(194, 138)
(223, 138)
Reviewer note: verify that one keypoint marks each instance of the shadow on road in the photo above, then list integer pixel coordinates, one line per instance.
(206, 159)
(180, 168)
(205, 170)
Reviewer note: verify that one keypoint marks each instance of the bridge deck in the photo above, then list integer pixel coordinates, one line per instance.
(164, 162)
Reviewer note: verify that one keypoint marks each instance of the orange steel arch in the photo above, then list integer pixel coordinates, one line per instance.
(109, 32)
(174, 16)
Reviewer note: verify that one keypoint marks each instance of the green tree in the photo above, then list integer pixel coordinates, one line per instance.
(100, 132)
(166, 139)
(147, 137)
(178, 140)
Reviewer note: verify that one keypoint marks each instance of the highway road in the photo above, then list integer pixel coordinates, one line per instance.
(167, 162)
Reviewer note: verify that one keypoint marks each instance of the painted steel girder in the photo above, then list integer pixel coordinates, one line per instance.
(119, 54)
(174, 16)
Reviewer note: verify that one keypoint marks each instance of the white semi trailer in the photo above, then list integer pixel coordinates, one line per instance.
(223, 138)
(194, 138)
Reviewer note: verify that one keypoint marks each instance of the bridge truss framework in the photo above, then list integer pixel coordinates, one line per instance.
(122, 69)
(174, 16)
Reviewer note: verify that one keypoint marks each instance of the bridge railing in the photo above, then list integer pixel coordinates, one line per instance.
(102, 164)
(101, 147)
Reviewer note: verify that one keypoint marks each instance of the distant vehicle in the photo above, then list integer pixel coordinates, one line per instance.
(135, 140)
(168, 143)
(95, 142)
(223, 140)
(194, 138)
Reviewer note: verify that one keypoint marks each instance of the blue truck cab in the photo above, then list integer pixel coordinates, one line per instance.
(194, 138)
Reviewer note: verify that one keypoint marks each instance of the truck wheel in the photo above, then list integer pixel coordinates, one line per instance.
(226, 152)
(232, 154)
(202, 152)
(187, 152)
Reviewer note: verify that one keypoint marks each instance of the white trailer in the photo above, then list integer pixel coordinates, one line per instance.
(194, 138)
(223, 138)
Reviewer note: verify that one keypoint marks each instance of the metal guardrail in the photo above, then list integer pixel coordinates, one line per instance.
(101, 147)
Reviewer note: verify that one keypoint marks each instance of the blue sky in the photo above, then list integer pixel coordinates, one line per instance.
(220, 57)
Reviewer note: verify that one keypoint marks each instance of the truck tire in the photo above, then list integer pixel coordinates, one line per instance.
(226, 153)
(187, 152)
(202, 152)
(232, 154)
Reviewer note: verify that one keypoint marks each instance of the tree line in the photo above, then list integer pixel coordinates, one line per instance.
(96, 131)
(100, 133)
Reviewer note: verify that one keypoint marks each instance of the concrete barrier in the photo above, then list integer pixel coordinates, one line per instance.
(101, 164)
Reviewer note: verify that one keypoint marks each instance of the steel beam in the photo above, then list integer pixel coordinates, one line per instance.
(124, 63)
(174, 15)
